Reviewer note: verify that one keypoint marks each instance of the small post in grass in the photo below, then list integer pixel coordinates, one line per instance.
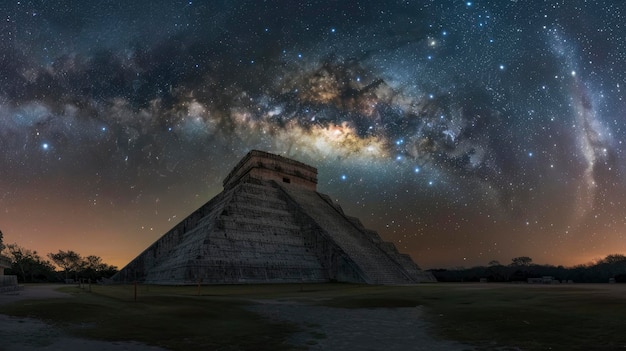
(135, 291)
(199, 285)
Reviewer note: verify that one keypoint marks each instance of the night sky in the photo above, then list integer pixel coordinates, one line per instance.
(462, 131)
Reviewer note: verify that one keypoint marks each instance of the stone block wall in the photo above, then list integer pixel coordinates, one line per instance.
(265, 166)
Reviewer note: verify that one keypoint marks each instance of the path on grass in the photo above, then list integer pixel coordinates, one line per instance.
(322, 328)
(33, 292)
(28, 334)
(339, 329)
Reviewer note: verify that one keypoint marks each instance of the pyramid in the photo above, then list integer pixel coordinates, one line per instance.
(270, 225)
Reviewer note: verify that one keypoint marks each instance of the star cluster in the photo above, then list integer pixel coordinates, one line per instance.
(462, 131)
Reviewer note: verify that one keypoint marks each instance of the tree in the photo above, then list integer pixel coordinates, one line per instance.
(69, 261)
(95, 269)
(20, 258)
(28, 265)
(497, 272)
(1, 243)
(614, 259)
(521, 261)
(84, 267)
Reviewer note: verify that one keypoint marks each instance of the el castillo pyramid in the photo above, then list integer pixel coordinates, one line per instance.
(270, 225)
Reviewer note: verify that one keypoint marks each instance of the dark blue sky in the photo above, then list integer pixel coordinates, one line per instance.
(463, 131)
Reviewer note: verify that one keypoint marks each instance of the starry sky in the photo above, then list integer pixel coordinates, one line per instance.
(462, 131)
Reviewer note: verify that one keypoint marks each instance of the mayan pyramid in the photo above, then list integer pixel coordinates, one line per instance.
(270, 225)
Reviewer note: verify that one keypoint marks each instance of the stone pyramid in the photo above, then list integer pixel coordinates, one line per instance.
(270, 225)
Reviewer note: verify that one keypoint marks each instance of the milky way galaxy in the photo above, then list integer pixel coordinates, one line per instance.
(462, 131)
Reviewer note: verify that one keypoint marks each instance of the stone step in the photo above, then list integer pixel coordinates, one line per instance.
(255, 237)
(261, 261)
(254, 224)
(257, 246)
(264, 190)
(255, 201)
(252, 211)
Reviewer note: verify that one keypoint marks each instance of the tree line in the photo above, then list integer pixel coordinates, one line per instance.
(62, 266)
(522, 268)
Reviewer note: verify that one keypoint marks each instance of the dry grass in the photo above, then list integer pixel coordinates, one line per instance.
(169, 320)
(579, 317)
(522, 317)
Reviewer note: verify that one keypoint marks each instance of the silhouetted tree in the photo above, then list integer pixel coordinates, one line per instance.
(614, 259)
(28, 265)
(94, 268)
(69, 261)
(521, 261)
(497, 272)
(521, 268)
(20, 258)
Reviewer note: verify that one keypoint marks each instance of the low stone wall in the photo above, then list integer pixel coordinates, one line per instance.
(8, 280)
(5, 262)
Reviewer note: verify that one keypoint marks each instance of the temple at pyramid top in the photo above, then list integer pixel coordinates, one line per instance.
(270, 225)
(266, 166)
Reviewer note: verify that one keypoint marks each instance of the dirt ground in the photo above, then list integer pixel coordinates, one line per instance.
(339, 329)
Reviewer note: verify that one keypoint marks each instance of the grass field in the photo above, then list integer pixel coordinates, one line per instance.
(566, 317)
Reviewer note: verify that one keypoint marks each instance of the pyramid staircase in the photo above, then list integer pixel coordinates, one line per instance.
(377, 266)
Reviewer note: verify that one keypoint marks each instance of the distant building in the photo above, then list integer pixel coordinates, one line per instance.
(270, 225)
(543, 280)
(7, 282)
(5, 262)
